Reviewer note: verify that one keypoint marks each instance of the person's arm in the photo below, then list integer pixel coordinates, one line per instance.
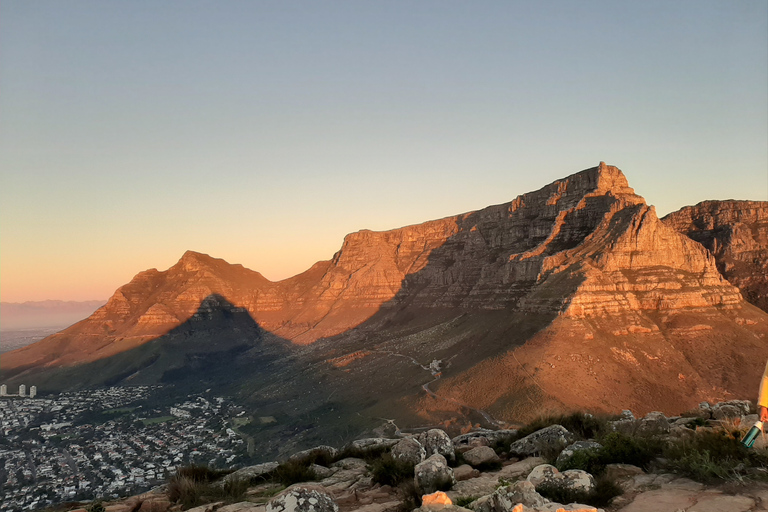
(762, 397)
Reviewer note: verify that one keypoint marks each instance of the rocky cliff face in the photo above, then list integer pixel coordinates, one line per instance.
(579, 278)
(736, 232)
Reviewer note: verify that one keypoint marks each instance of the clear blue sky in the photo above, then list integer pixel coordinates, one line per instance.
(262, 132)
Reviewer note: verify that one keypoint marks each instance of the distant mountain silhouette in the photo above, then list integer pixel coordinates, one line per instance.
(45, 313)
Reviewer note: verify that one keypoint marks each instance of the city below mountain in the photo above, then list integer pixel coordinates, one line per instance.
(572, 297)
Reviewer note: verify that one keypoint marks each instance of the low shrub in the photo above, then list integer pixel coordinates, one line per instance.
(201, 473)
(96, 506)
(715, 455)
(387, 470)
(410, 497)
(626, 449)
(369, 454)
(583, 425)
(194, 485)
(592, 461)
(463, 501)
(605, 490)
(293, 472)
(191, 492)
(319, 457)
(702, 467)
(489, 466)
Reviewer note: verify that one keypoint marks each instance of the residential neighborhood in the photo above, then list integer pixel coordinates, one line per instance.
(106, 443)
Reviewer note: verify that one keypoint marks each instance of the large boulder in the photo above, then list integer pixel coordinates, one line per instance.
(409, 450)
(318, 452)
(437, 441)
(433, 475)
(572, 479)
(504, 499)
(570, 450)
(480, 456)
(302, 498)
(483, 437)
(249, 473)
(731, 409)
(371, 444)
(654, 423)
(552, 438)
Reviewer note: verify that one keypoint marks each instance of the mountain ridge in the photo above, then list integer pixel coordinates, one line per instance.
(578, 278)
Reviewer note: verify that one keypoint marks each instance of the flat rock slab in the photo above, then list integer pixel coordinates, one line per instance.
(390, 506)
(683, 483)
(662, 500)
(521, 468)
(481, 486)
(243, 506)
(721, 503)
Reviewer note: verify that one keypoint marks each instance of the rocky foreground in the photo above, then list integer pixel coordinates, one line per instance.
(499, 471)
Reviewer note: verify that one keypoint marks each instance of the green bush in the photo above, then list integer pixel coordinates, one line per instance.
(712, 456)
(626, 449)
(592, 461)
(702, 467)
(387, 470)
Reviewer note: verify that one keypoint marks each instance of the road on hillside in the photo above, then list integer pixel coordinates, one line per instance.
(437, 374)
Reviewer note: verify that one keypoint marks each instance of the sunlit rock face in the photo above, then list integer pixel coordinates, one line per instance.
(736, 232)
(585, 250)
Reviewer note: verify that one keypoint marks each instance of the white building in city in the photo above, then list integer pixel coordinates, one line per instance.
(3, 390)
(32, 391)
(22, 390)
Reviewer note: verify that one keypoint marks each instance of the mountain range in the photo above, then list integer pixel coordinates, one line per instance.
(574, 296)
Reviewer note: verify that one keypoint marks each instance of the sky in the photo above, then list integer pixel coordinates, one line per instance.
(263, 132)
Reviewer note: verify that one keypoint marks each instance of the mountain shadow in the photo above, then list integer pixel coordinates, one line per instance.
(209, 350)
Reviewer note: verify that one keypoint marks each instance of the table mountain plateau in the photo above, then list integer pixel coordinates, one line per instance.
(575, 296)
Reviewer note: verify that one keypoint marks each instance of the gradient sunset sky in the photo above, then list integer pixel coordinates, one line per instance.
(262, 132)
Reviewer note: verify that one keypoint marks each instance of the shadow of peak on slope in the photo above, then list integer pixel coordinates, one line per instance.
(209, 350)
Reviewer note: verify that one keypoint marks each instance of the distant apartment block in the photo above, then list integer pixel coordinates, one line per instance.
(22, 391)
